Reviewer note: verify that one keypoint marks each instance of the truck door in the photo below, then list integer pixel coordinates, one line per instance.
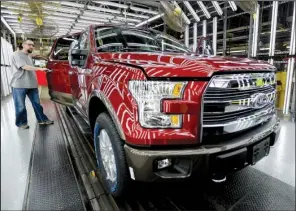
(78, 76)
(58, 75)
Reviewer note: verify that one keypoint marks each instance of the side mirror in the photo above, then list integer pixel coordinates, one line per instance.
(77, 57)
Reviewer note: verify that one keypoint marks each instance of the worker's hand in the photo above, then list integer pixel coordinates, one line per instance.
(43, 69)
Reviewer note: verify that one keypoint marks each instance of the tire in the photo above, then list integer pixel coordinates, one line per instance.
(116, 185)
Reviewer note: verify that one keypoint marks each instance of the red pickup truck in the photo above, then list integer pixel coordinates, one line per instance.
(159, 111)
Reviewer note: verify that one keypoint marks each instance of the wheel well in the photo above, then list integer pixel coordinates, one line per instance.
(96, 107)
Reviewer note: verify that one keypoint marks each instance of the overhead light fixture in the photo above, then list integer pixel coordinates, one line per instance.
(112, 4)
(136, 15)
(7, 25)
(191, 10)
(90, 19)
(150, 20)
(72, 4)
(103, 9)
(62, 14)
(59, 18)
(204, 9)
(144, 10)
(128, 19)
(217, 7)
(62, 9)
(92, 22)
(232, 5)
(97, 15)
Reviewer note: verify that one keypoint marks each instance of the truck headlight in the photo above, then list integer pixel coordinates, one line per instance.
(149, 95)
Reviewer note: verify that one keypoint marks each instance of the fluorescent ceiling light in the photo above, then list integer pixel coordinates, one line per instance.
(15, 8)
(136, 15)
(103, 9)
(204, 9)
(191, 10)
(112, 4)
(128, 19)
(63, 9)
(217, 7)
(6, 24)
(90, 20)
(5, 11)
(59, 18)
(62, 14)
(150, 20)
(232, 5)
(143, 10)
(97, 15)
(72, 4)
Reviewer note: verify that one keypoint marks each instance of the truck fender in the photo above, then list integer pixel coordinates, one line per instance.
(108, 105)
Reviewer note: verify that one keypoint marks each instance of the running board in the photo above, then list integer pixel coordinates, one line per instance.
(80, 121)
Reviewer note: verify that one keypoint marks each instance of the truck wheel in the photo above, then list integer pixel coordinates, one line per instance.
(110, 155)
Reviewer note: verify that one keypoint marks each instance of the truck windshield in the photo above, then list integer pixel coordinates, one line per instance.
(117, 39)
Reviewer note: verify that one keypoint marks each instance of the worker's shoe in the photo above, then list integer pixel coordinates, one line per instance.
(24, 127)
(48, 122)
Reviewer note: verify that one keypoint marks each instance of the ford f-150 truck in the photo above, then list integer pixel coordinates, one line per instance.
(159, 111)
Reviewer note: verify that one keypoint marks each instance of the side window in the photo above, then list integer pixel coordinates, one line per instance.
(108, 40)
(62, 47)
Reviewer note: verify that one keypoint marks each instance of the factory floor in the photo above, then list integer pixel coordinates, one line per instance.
(16, 146)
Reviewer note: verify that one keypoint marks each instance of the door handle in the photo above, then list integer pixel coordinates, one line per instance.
(49, 70)
(70, 72)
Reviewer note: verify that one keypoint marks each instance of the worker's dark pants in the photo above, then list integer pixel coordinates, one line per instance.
(19, 96)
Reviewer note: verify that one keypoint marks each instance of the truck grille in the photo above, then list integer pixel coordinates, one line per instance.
(236, 102)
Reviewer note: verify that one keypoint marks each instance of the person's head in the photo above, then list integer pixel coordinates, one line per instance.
(28, 46)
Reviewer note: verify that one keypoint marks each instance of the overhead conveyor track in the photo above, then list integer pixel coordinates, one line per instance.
(245, 190)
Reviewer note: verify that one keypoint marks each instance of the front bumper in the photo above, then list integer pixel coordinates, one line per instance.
(203, 159)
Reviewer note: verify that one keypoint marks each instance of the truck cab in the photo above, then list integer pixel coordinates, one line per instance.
(159, 111)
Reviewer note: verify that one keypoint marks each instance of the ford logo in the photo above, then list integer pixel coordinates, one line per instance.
(259, 100)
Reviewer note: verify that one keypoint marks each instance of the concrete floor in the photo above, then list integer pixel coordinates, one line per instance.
(280, 163)
(16, 145)
(16, 148)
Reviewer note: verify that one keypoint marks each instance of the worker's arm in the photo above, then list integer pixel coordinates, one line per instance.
(31, 68)
(38, 57)
(19, 62)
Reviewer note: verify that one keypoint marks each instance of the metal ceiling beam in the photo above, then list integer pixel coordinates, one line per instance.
(291, 65)
(273, 29)
(194, 36)
(215, 25)
(150, 20)
(187, 36)
(255, 31)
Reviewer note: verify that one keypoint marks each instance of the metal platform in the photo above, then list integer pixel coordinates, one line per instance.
(52, 184)
(53, 176)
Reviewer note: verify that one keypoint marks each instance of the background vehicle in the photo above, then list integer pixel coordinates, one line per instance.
(159, 111)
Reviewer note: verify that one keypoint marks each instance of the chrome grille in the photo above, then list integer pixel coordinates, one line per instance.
(236, 102)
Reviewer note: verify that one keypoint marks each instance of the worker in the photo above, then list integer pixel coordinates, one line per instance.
(24, 83)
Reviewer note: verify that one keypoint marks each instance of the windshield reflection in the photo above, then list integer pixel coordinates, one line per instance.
(123, 39)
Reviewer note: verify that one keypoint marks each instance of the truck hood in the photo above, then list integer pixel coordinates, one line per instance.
(182, 65)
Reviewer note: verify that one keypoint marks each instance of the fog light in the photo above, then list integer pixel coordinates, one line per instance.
(164, 163)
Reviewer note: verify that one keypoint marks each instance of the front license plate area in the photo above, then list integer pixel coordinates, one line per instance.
(260, 150)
